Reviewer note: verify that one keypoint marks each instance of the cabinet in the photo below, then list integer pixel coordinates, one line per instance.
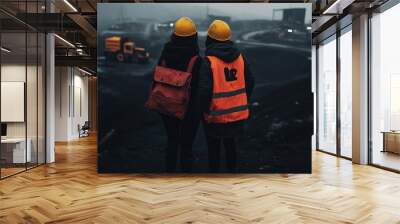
(391, 142)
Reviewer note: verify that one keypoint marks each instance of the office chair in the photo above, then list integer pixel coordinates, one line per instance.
(84, 130)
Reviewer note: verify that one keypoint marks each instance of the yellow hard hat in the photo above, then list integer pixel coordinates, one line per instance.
(219, 30)
(184, 27)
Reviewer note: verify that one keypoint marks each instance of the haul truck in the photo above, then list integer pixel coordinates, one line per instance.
(124, 50)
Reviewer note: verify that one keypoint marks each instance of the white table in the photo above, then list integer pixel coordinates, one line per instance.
(20, 155)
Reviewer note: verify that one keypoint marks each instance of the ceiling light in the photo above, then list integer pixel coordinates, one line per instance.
(65, 41)
(5, 50)
(290, 30)
(70, 5)
(338, 6)
(331, 7)
(84, 71)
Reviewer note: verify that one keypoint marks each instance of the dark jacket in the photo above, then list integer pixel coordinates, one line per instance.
(228, 52)
(176, 54)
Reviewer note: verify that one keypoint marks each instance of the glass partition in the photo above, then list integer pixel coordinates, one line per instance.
(22, 77)
(327, 95)
(346, 93)
(15, 150)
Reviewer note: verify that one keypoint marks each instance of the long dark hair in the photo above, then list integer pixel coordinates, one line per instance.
(190, 41)
(178, 51)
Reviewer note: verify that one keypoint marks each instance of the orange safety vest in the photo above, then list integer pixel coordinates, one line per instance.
(229, 98)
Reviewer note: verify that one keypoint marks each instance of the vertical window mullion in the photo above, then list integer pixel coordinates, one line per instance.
(0, 91)
(369, 77)
(317, 96)
(37, 89)
(338, 91)
(26, 86)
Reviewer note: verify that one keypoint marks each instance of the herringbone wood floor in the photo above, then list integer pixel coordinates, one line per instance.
(71, 191)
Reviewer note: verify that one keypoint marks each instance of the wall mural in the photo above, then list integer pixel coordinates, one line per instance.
(204, 88)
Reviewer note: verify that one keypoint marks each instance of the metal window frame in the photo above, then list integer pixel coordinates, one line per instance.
(386, 6)
(339, 32)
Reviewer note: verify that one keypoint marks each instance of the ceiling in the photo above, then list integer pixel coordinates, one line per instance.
(76, 20)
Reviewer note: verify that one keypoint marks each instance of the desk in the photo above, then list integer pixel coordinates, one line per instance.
(13, 150)
(391, 141)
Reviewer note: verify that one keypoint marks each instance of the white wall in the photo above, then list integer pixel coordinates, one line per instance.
(80, 110)
(62, 81)
(71, 102)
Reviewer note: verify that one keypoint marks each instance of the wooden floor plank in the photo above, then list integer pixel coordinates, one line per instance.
(71, 191)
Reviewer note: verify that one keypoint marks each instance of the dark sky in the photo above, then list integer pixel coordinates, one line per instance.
(171, 11)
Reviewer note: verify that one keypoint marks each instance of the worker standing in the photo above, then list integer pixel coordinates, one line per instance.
(225, 86)
(181, 53)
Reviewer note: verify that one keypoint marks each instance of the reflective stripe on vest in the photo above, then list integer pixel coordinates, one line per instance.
(229, 99)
